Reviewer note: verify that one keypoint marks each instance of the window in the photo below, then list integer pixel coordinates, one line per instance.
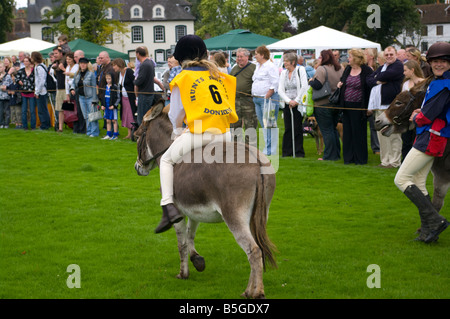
(439, 30)
(424, 31)
(424, 46)
(158, 11)
(180, 31)
(137, 34)
(136, 12)
(159, 35)
(109, 39)
(160, 55)
(47, 34)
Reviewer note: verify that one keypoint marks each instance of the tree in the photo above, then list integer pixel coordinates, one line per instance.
(265, 17)
(6, 16)
(93, 26)
(352, 16)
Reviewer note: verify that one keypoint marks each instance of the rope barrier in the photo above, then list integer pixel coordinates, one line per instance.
(243, 93)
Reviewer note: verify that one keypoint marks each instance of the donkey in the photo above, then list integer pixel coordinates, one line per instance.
(236, 187)
(396, 120)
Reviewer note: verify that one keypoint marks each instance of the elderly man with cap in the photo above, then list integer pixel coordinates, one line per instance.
(433, 132)
(203, 98)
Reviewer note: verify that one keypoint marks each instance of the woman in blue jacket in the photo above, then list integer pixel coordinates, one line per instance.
(84, 84)
(433, 131)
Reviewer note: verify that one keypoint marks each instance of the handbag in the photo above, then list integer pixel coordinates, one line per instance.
(71, 116)
(334, 98)
(324, 91)
(68, 106)
(309, 102)
(269, 119)
(95, 115)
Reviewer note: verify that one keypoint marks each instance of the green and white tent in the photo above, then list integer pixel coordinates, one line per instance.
(91, 50)
(236, 39)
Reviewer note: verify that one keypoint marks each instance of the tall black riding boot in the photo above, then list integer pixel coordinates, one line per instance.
(432, 223)
(170, 216)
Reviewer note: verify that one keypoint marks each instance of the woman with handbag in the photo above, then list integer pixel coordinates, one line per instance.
(264, 89)
(327, 77)
(293, 85)
(84, 84)
(354, 98)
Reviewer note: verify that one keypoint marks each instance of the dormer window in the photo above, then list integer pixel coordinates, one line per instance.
(158, 11)
(108, 13)
(420, 12)
(136, 12)
(44, 10)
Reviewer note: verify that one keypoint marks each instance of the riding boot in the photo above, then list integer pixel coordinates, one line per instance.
(170, 216)
(423, 231)
(432, 222)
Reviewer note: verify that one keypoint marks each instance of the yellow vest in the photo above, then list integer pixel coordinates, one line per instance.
(207, 100)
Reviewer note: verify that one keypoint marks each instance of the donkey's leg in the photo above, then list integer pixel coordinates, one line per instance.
(181, 231)
(441, 187)
(241, 231)
(197, 260)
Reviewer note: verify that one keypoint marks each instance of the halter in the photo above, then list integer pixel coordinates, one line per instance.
(141, 142)
(397, 120)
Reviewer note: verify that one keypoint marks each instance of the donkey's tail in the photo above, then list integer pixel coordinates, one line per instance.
(258, 221)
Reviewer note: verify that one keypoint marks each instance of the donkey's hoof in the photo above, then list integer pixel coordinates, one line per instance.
(182, 276)
(198, 262)
(247, 295)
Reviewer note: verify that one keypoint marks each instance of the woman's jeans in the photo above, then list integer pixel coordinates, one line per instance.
(32, 102)
(270, 134)
(327, 118)
(4, 106)
(43, 114)
(92, 128)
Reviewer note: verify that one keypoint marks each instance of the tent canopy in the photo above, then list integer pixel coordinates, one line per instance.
(91, 50)
(323, 38)
(236, 39)
(25, 44)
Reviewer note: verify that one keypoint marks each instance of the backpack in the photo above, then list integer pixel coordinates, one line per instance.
(50, 82)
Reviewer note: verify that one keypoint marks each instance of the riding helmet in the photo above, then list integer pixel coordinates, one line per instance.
(439, 50)
(190, 47)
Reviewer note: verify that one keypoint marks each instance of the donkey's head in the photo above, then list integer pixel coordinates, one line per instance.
(396, 118)
(153, 138)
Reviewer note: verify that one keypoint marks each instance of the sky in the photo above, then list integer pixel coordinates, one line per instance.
(21, 3)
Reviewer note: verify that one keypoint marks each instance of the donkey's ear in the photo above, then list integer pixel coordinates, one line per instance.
(154, 111)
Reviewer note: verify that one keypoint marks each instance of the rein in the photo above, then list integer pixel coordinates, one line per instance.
(397, 120)
(142, 146)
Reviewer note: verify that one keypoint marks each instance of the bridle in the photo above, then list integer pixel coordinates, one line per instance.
(142, 144)
(398, 119)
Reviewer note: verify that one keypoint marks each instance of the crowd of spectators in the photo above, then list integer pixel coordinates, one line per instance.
(76, 87)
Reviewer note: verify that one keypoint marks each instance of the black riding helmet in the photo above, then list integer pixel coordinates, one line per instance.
(190, 47)
(439, 50)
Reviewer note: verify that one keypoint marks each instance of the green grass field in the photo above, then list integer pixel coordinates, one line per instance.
(69, 199)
